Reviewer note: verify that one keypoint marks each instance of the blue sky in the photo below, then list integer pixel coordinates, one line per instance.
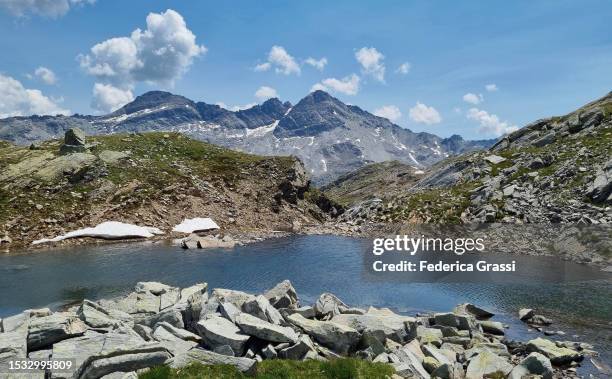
(544, 57)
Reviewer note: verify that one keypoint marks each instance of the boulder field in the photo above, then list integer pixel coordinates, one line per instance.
(158, 324)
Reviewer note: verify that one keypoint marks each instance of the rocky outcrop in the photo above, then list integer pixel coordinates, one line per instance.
(159, 324)
(555, 170)
(600, 190)
(74, 142)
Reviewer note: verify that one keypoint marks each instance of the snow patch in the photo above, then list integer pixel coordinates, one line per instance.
(262, 130)
(141, 112)
(192, 225)
(110, 230)
(413, 159)
(419, 172)
(324, 164)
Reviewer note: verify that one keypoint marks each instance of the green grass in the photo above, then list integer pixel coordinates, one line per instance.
(443, 206)
(496, 168)
(156, 160)
(280, 369)
(607, 110)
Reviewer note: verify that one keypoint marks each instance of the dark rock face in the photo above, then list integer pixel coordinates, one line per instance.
(330, 137)
(264, 114)
(313, 115)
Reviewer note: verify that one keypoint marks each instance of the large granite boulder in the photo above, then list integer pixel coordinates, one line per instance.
(217, 331)
(474, 310)
(13, 345)
(459, 321)
(557, 355)
(237, 298)
(171, 315)
(96, 316)
(407, 364)
(264, 330)
(261, 308)
(299, 349)
(493, 327)
(98, 354)
(487, 364)
(382, 325)
(45, 331)
(171, 341)
(533, 364)
(328, 305)
(340, 338)
(283, 295)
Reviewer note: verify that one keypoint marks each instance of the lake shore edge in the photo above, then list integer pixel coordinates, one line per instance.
(160, 324)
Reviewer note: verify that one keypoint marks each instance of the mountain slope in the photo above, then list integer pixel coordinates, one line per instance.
(555, 170)
(373, 181)
(330, 137)
(152, 179)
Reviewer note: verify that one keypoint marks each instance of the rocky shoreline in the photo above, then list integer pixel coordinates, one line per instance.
(160, 324)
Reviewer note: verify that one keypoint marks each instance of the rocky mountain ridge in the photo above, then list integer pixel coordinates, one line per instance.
(330, 137)
(555, 170)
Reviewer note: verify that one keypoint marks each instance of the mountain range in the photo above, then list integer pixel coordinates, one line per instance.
(329, 136)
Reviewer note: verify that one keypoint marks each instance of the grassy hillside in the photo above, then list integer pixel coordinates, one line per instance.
(155, 179)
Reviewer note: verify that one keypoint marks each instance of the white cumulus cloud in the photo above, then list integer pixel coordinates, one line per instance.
(423, 114)
(282, 62)
(108, 98)
(319, 64)
(263, 66)
(371, 61)
(348, 85)
(46, 75)
(472, 98)
(16, 100)
(404, 68)
(490, 124)
(45, 8)
(160, 54)
(265, 92)
(390, 112)
(491, 87)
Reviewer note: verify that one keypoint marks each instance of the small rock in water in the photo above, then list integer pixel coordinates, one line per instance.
(526, 314)
(540, 320)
